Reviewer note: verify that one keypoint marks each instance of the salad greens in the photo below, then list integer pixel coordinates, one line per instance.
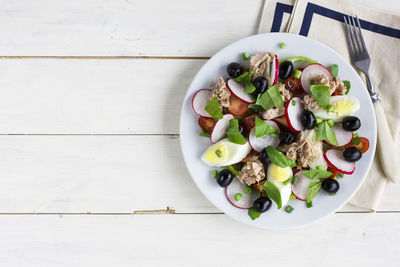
(313, 189)
(303, 59)
(245, 56)
(278, 158)
(233, 134)
(269, 99)
(321, 94)
(324, 132)
(262, 128)
(334, 69)
(272, 192)
(253, 214)
(214, 109)
(245, 79)
(317, 173)
(203, 133)
(347, 84)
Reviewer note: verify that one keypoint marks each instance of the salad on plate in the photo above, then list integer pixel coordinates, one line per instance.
(279, 131)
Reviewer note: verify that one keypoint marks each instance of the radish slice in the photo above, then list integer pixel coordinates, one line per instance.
(247, 200)
(293, 112)
(300, 189)
(275, 71)
(342, 136)
(220, 128)
(238, 90)
(200, 100)
(335, 159)
(311, 72)
(259, 143)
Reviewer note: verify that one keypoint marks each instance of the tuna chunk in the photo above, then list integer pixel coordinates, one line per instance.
(221, 92)
(285, 93)
(261, 64)
(309, 102)
(273, 113)
(335, 85)
(252, 171)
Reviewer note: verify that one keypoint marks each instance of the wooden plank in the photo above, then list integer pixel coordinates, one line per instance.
(104, 174)
(196, 240)
(69, 96)
(124, 28)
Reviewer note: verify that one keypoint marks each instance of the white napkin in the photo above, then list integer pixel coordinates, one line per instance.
(381, 32)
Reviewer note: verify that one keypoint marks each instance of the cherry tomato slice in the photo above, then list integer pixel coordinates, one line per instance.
(333, 171)
(257, 185)
(249, 122)
(206, 124)
(363, 146)
(237, 107)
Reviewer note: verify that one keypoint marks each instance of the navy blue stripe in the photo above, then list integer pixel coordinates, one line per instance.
(313, 8)
(278, 15)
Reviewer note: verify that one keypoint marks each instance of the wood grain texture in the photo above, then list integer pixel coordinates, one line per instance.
(124, 27)
(195, 240)
(72, 96)
(43, 174)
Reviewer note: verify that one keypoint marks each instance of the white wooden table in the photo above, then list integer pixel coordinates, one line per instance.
(90, 95)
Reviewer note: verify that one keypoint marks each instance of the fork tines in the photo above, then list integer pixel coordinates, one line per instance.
(354, 36)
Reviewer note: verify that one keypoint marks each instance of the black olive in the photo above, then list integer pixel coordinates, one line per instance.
(330, 185)
(352, 154)
(286, 137)
(262, 204)
(308, 119)
(261, 85)
(285, 69)
(234, 69)
(224, 178)
(351, 123)
(263, 157)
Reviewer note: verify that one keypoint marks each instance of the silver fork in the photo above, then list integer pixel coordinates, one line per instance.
(361, 60)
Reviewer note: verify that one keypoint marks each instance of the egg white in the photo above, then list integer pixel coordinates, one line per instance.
(285, 190)
(338, 115)
(235, 153)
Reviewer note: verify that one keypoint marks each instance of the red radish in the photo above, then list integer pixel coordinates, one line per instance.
(200, 100)
(220, 128)
(300, 189)
(259, 143)
(246, 202)
(342, 136)
(311, 72)
(237, 90)
(293, 109)
(335, 159)
(274, 72)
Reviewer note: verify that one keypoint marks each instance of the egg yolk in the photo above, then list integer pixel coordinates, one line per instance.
(343, 107)
(279, 174)
(217, 154)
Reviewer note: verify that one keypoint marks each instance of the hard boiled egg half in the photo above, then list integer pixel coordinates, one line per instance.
(343, 106)
(277, 175)
(224, 153)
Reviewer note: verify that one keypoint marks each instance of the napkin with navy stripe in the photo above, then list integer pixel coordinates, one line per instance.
(381, 31)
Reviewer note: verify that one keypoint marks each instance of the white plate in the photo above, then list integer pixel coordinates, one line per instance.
(194, 145)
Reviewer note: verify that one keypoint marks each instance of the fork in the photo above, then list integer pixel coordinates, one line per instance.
(361, 60)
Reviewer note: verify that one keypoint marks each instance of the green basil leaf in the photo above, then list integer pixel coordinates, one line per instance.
(269, 99)
(324, 132)
(263, 128)
(334, 70)
(348, 85)
(356, 141)
(313, 189)
(317, 174)
(214, 109)
(253, 214)
(278, 158)
(203, 133)
(245, 78)
(298, 58)
(249, 88)
(321, 94)
(272, 192)
(233, 134)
